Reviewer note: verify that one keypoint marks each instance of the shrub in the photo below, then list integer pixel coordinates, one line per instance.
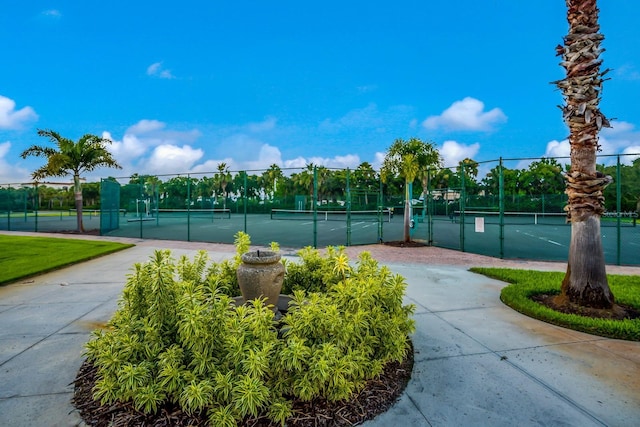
(178, 338)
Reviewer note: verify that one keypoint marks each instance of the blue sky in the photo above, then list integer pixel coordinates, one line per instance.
(183, 86)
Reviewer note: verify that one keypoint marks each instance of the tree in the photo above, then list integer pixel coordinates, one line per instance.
(222, 178)
(305, 180)
(270, 179)
(543, 177)
(408, 159)
(365, 180)
(71, 158)
(585, 282)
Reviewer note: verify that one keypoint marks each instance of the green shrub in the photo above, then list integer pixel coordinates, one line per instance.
(178, 337)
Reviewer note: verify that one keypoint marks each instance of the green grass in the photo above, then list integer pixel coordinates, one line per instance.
(22, 257)
(526, 283)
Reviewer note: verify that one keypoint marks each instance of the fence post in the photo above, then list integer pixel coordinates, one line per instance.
(348, 209)
(188, 208)
(618, 209)
(36, 202)
(501, 206)
(141, 189)
(315, 206)
(462, 208)
(430, 210)
(245, 200)
(381, 210)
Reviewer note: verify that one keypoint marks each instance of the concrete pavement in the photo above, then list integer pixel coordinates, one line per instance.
(477, 362)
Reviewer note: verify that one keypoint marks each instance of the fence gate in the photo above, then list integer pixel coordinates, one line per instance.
(109, 205)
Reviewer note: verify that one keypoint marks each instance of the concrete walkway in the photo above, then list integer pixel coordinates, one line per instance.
(477, 362)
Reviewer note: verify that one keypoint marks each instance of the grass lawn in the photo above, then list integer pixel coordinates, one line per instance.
(22, 256)
(527, 283)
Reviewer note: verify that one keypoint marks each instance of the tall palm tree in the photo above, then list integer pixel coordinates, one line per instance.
(71, 158)
(222, 178)
(270, 178)
(585, 282)
(408, 159)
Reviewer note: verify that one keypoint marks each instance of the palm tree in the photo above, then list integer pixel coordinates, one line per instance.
(270, 178)
(71, 158)
(408, 159)
(585, 282)
(305, 179)
(222, 178)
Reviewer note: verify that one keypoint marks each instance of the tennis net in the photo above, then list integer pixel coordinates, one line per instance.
(513, 218)
(608, 219)
(384, 215)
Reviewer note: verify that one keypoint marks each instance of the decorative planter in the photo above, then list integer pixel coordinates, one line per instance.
(260, 276)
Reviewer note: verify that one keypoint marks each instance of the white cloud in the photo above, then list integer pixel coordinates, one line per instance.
(151, 147)
(9, 173)
(298, 162)
(267, 156)
(127, 150)
(621, 139)
(558, 148)
(453, 152)
(167, 159)
(157, 70)
(146, 126)
(10, 118)
(467, 114)
(51, 13)
(378, 159)
(342, 162)
(618, 127)
(266, 125)
(137, 151)
(633, 154)
(4, 148)
(211, 166)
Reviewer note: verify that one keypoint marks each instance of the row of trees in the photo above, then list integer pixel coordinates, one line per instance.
(542, 177)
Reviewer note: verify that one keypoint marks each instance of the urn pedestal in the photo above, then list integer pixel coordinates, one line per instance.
(260, 276)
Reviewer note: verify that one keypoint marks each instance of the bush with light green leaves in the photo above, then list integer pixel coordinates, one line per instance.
(178, 337)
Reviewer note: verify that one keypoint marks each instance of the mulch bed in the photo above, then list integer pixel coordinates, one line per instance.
(617, 312)
(377, 397)
(403, 244)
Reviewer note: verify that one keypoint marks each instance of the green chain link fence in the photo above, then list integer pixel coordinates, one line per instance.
(515, 211)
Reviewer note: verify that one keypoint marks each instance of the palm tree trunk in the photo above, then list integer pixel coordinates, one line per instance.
(407, 213)
(585, 282)
(77, 192)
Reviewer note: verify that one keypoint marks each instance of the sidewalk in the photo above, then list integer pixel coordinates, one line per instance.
(477, 362)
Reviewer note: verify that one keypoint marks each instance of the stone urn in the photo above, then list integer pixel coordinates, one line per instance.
(260, 276)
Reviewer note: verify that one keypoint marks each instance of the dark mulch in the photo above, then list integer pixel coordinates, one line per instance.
(403, 244)
(557, 303)
(92, 232)
(377, 397)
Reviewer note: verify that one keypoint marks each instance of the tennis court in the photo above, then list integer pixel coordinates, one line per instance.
(542, 236)
(294, 229)
(525, 235)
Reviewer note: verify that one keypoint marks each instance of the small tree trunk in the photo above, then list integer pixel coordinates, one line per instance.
(77, 192)
(407, 214)
(586, 279)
